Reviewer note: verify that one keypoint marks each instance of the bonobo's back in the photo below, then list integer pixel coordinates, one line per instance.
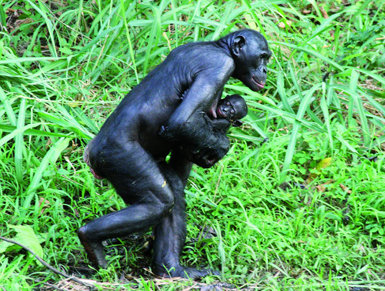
(164, 86)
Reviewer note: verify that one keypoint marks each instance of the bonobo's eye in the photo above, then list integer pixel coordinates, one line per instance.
(265, 56)
(228, 103)
(268, 56)
(232, 111)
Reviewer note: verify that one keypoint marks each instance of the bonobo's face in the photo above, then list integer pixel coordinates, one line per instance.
(251, 55)
(232, 108)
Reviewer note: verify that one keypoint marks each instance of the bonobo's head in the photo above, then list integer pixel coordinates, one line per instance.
(232, 108)
(250, 53)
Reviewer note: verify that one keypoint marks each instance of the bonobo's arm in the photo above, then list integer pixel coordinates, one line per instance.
(187, 124)
(221, 125)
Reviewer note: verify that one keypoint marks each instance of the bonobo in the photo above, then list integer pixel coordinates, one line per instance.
(229, 111)
(164, 111)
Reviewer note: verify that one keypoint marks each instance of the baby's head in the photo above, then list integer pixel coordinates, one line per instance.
(232, 108)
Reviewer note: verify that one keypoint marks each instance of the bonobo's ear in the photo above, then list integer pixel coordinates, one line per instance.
(238, 43)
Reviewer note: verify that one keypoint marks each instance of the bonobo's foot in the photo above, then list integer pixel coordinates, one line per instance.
(186, 272)
(94, 250)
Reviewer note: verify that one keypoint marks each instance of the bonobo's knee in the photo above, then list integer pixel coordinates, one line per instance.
(82, 233)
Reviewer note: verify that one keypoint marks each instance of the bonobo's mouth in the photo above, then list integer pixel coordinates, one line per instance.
(209, 162)
(220, 112)
(260, 85)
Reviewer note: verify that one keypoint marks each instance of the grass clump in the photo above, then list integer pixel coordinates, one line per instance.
(302, 210)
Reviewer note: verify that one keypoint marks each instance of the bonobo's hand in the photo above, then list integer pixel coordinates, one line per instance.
(167, 134)
(163, 131)
(207, 157)
(222, 146)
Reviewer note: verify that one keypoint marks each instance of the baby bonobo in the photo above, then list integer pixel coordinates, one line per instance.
(229, 112)
(168, 109)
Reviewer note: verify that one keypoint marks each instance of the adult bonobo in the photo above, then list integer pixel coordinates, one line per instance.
(164, 111)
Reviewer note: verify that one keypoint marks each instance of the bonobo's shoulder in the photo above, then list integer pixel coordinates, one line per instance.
(196, 45)
(207, 50)
(202, 56)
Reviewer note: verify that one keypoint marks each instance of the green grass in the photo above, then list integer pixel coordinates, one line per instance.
(65, 65)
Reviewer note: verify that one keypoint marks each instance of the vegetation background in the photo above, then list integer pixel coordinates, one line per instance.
(303, 210)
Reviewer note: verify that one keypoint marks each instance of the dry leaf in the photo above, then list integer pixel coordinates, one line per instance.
(324, 13)
(346, 189)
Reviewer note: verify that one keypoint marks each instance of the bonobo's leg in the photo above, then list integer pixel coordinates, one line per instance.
(138, 179)
(181, 166)
(170, 234)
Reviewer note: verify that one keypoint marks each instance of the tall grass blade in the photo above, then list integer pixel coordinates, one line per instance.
(67, 122)
(358, 102)
(50, 27)
(7, 107)
(282, 93)
(311, 52)
(19, 143)
(3, 17)
(325, 112)
(294, 135)
(128, 36)
(34, 132)
(373, 75)
(17, 131)
(50, 157)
